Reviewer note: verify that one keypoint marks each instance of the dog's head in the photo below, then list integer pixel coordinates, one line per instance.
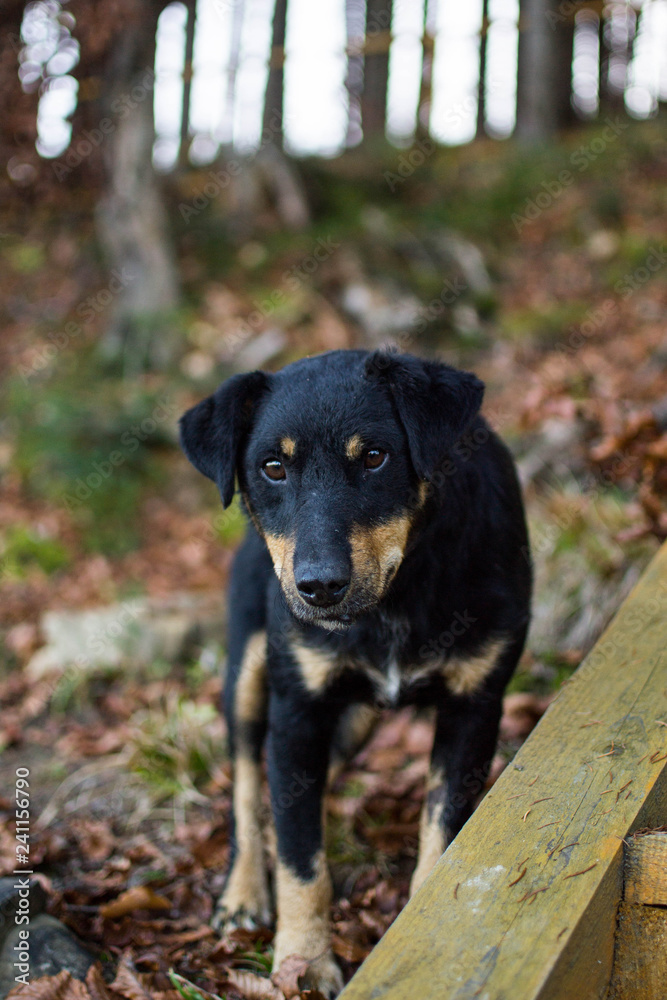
(332, 456)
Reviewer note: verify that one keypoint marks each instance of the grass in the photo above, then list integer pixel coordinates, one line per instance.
(24, 550)
(174, 746)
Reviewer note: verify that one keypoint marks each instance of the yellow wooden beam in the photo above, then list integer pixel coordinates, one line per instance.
(523, 903)
(646, 870)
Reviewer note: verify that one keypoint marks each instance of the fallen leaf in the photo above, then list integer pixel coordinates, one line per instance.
(60, 987)
(286, 978)
(127, 982)
(253, 987)
(141, 897)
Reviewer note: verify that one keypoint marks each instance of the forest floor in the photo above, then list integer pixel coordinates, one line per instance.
(553, 290)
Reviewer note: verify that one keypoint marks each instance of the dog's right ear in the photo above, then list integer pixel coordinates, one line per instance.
(213, 431)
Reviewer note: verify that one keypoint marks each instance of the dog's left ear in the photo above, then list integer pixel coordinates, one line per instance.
(435, 403)
(213, 431)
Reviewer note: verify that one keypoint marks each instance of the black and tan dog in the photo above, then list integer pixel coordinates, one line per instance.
(385, 564)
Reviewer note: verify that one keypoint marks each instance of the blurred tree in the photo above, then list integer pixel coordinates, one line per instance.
(618, 30)
(191, 23)
(544, 76)
(118, 43)
(18, 120)
(273, 104)
(355, 19)
(376, 68)
(426, 77)
(481, 89)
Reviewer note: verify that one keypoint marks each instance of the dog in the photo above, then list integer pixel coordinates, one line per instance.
(386, 563)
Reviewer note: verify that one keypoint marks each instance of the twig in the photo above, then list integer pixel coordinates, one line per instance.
(545, 799)
(526, 814)
(582, 872)
(595, 722)
(520, 877)
(573, 844)
(456, 890)
(531, 783)
(547, 824)
(531, 895)
(561, 933)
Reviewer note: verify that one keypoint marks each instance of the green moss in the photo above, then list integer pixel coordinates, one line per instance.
(23, 550)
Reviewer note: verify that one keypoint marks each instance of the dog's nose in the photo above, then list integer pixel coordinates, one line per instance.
(321, 588)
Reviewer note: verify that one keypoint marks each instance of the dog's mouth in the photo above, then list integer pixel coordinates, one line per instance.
(336, 618)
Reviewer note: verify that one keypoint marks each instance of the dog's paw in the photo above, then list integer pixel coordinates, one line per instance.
(321, 974)
(324, 975)
(225, 919)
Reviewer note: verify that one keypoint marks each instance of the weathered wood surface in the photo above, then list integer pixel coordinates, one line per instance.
(640, 962)
(523, 904)
(646, 871)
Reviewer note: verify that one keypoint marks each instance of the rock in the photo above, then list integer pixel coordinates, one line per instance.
(381, 310)
(52, 949)
(10, 902)
(139, 630)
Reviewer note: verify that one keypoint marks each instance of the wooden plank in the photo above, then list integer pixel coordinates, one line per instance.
(593, 771)
(646, 870)
(640, 965)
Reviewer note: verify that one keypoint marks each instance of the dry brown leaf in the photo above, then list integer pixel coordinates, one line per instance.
(97, 987)
(286, 978)
(127, 982)
(60, 987)
(253, 987)
(141, 897)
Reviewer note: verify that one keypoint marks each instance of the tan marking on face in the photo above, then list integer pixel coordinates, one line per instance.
(377, 552)
(425, 490)
(317, 666)
(288, 446)
(250, 694)
(282, 553)
(247, 890)
(304, 923)
(432, 841)
(354, 447)
(463, 676)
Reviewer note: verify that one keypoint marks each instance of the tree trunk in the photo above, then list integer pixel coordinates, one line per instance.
(376, 68)
(426, 78)
(184, 148)
(615, 50)
(131, 219)
(480, 131)
(273, 105)
(544, 79)
(354, 80)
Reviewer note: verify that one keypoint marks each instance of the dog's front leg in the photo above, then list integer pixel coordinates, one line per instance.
(298, 755)
(465, 737)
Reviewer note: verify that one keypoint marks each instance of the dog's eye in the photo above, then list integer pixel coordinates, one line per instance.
(374, 458)
(274, 470)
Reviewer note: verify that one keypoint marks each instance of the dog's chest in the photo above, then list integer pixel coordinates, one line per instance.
(389, 665)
